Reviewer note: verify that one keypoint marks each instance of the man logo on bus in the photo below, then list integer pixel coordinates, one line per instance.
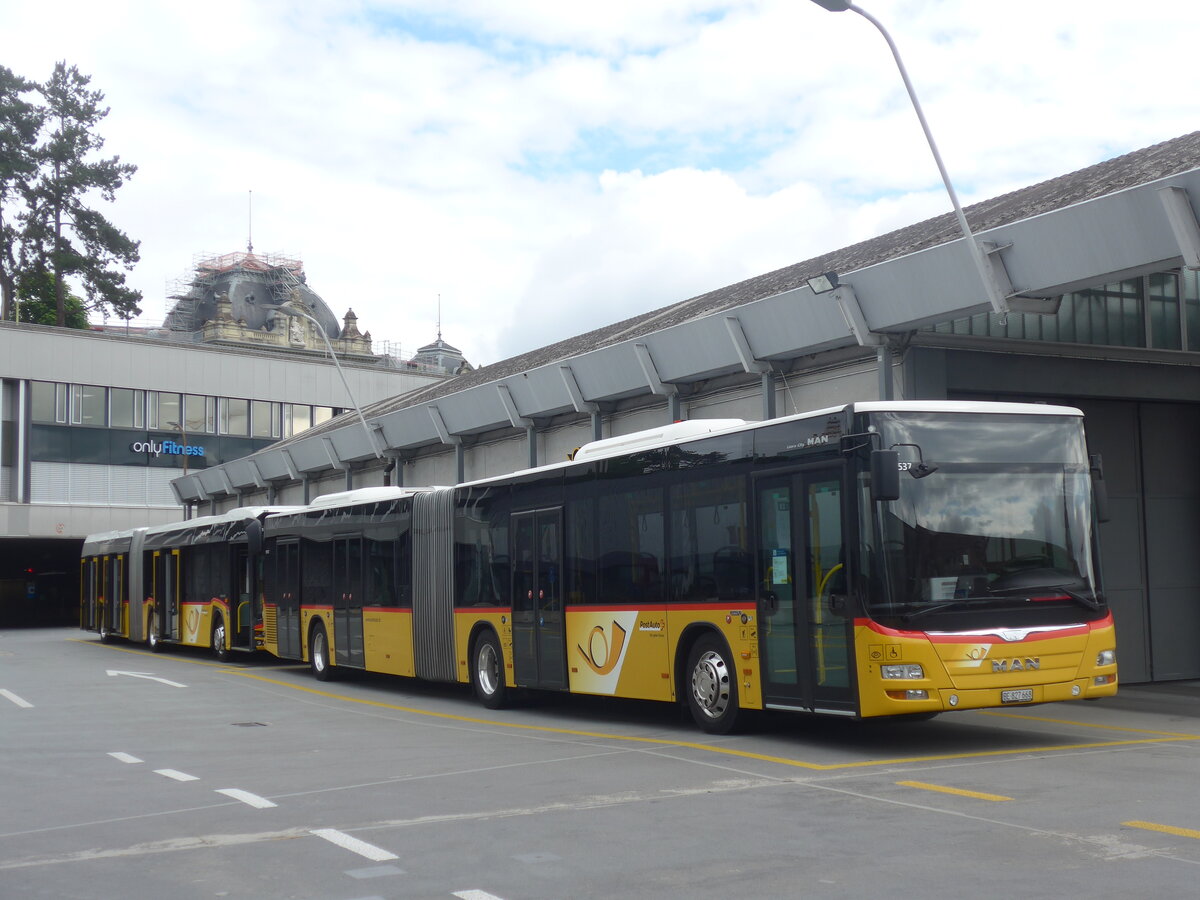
(600, 657)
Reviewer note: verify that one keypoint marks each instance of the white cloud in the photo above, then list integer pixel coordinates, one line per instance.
(549, 167)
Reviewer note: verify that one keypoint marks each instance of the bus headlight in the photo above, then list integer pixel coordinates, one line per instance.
(907, 670)
(1106, 658)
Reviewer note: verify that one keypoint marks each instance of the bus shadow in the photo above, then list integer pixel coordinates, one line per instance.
(949, 733)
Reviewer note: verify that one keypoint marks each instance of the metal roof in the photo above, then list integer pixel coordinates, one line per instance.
(1127, 216)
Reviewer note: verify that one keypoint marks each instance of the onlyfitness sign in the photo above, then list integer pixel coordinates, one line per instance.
(165, 448)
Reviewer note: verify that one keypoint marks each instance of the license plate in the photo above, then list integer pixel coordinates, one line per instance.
(1024, 695)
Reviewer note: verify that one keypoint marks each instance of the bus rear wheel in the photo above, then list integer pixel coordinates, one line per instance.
(487, 671)
(219, 648)
(711, 686)
(152, 639)
(318, 654)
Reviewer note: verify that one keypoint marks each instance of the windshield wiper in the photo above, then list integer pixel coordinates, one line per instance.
(922, 611)
(1030, 581)
(1082, 599)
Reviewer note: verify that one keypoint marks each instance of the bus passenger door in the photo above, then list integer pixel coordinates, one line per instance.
(804, 645)
(241, 601)
(166, 593)
(287, 598)
(539, 638)
(347, 602)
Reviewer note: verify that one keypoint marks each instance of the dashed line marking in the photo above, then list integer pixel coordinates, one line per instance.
(9, 695)
(121, 756)
(176, 774)
(958, 792)
(354, 845)
(246, 797)
(1165, 829)
(475, 895)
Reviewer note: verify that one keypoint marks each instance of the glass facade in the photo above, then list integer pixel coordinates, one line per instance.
(1159, 312)
(124, 426)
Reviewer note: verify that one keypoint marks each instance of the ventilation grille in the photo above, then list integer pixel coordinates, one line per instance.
(83, 484)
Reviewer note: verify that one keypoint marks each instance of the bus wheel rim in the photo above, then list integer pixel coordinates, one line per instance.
(488, 668)
(710, 684)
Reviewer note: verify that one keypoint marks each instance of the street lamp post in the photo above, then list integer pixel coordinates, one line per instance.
(995, 292)
(292, 310)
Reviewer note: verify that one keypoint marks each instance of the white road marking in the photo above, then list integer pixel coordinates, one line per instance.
(125, 757)
(147, 676)
(176, 774)
(246, 797)
(475, 895)
(24, 704)
(354, 845)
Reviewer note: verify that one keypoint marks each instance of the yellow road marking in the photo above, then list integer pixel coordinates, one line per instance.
(706, 748)
(1165, 829)
(1167, 737)
(942, 789)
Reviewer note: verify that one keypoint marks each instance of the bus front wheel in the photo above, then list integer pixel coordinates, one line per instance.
(711, 686)
(220, 648)
(318, 654)
(487, 671)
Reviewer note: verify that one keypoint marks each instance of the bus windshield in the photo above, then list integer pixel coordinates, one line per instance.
(1003, 520)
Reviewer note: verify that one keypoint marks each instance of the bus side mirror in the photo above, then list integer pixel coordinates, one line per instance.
(254, 537)
(1099, 487)
(885, 474)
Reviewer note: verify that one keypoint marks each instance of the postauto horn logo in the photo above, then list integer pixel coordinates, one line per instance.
(165, 448)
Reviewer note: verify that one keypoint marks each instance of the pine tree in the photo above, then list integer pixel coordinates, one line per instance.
(73, 240)
(20, 123)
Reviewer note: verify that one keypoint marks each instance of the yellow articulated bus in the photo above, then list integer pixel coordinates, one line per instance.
(194, 583)
(873, 559)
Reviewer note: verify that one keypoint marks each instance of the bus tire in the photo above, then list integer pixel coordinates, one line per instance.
(710, 684)
(487, 671)
(318, 653)
(220, 648)
(152, 638)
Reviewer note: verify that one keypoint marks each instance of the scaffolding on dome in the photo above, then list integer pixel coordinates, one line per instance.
(284, 275)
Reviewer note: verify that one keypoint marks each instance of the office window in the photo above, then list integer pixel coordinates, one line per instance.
(48, 402)
(199, 413)
(87, 405)
(264, 419)
(296, 418)
(322, 414)
(126, 408)
(163, 410)
(235, 416)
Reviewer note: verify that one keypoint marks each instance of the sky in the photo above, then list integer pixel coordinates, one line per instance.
(547, 167)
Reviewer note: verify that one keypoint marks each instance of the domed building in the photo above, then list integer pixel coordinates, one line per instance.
(442, 357)
(237, 298)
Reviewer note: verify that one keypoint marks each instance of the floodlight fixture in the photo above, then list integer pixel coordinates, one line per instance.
(823, 283)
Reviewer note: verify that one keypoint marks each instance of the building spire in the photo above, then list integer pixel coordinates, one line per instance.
(439, 317)
(250, 222)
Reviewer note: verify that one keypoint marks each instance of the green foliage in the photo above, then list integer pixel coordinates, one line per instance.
(37, 303)
(49, 171)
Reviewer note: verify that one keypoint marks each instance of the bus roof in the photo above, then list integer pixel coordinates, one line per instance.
(239, 514)
(360, 496)
(694, 429)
